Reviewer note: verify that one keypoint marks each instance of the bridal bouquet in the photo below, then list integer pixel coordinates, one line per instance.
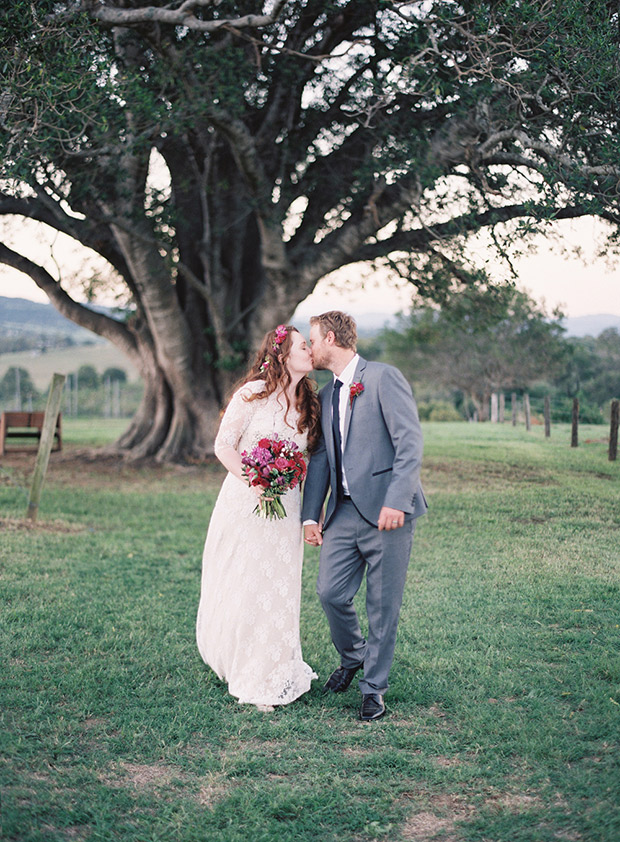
(277, 466)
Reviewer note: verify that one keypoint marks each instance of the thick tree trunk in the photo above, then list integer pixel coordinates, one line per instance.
(481, 402)
(149, 427)
(170, 425)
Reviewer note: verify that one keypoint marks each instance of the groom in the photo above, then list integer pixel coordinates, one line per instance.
(369, 455)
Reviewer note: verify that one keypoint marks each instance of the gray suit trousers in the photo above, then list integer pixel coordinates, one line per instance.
(352, 546)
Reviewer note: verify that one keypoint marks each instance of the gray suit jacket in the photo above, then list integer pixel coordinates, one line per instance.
(382, 448)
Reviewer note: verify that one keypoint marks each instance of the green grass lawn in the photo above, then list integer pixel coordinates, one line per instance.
(504, 709)
(86, 432)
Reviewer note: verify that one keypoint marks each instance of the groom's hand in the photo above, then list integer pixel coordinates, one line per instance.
(390, 519)
(313, 534)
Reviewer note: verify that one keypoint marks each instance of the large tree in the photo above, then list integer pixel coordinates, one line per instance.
(295, 137)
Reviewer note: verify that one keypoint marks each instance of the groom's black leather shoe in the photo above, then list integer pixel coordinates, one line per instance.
(340, 679)
(372, 707)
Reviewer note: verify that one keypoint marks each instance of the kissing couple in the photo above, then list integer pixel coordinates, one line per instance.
(361, 440)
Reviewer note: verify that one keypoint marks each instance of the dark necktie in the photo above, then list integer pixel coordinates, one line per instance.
(336, 432)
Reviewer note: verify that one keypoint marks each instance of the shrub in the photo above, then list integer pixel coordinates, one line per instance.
(562, 411)
(438, 411)
(87, 377)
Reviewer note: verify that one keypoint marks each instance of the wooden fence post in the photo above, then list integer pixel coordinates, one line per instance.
(18, 391)
(107, 398)
(547, 417)
(45, 444)
(494, 408)
(502, 407)
(526, 407)
(574, 437)
(613, 430)
(116, 399)
(513, 400)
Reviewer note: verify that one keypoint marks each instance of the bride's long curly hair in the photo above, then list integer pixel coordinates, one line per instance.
(270, 365)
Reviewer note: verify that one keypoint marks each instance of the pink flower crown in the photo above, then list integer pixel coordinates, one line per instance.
(281, 334)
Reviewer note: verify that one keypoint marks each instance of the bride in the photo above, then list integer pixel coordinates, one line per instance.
(248, 618)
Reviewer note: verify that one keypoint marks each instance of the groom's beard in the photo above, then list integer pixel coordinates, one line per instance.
(321, 363)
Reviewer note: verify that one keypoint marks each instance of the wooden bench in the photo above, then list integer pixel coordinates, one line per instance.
(25, 426)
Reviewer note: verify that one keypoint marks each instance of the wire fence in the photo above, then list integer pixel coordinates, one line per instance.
(111, 399)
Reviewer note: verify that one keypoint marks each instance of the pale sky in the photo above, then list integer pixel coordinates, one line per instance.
(582, 286)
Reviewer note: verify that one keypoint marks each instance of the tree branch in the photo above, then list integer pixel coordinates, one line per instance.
(182, 15)
(341, 247)
(420, 239)
(98, 323)
(335, 173)
(547, 151)
(244, 149)
(51, 213)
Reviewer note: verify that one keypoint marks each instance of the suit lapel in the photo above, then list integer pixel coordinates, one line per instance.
(357, 378)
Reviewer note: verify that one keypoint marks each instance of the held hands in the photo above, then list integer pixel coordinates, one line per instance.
(313, 534)
(390, 519)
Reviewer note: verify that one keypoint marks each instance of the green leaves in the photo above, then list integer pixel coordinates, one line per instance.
(479, 342)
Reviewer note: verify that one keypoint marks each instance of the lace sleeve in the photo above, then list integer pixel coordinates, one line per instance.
(236, 419)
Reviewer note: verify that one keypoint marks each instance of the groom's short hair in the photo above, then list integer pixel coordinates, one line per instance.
(342, 326)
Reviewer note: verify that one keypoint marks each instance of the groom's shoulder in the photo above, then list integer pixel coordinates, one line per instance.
(383, 370)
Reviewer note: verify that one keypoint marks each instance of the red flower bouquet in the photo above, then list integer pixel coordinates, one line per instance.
(277, 466)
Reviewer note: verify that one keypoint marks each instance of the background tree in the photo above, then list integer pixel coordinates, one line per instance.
(16, 383)
(115, 375)
(87, 377)
(606, 383)
(222, 160)
(481, 342)
(592, 373)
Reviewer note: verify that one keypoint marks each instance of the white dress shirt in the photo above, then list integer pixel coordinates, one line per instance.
(346, 378)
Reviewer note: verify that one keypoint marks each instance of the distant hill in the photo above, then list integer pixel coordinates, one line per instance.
(590, 325)
(370, 323)
(66, 360)
(19, 315)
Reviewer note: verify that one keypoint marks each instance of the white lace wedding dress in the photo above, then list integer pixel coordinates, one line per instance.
(248, 619)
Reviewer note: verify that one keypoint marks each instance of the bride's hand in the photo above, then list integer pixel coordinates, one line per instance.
(313, 534)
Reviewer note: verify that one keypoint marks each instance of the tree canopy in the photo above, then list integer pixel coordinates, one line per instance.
(224, 156)
(592, 370)
(482, 341)
(15, 385)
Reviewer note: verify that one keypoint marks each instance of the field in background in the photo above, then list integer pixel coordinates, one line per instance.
(504, 709)
(41, 367)
(90, 432)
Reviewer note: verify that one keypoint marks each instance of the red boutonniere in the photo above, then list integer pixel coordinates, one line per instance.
(355, 389)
